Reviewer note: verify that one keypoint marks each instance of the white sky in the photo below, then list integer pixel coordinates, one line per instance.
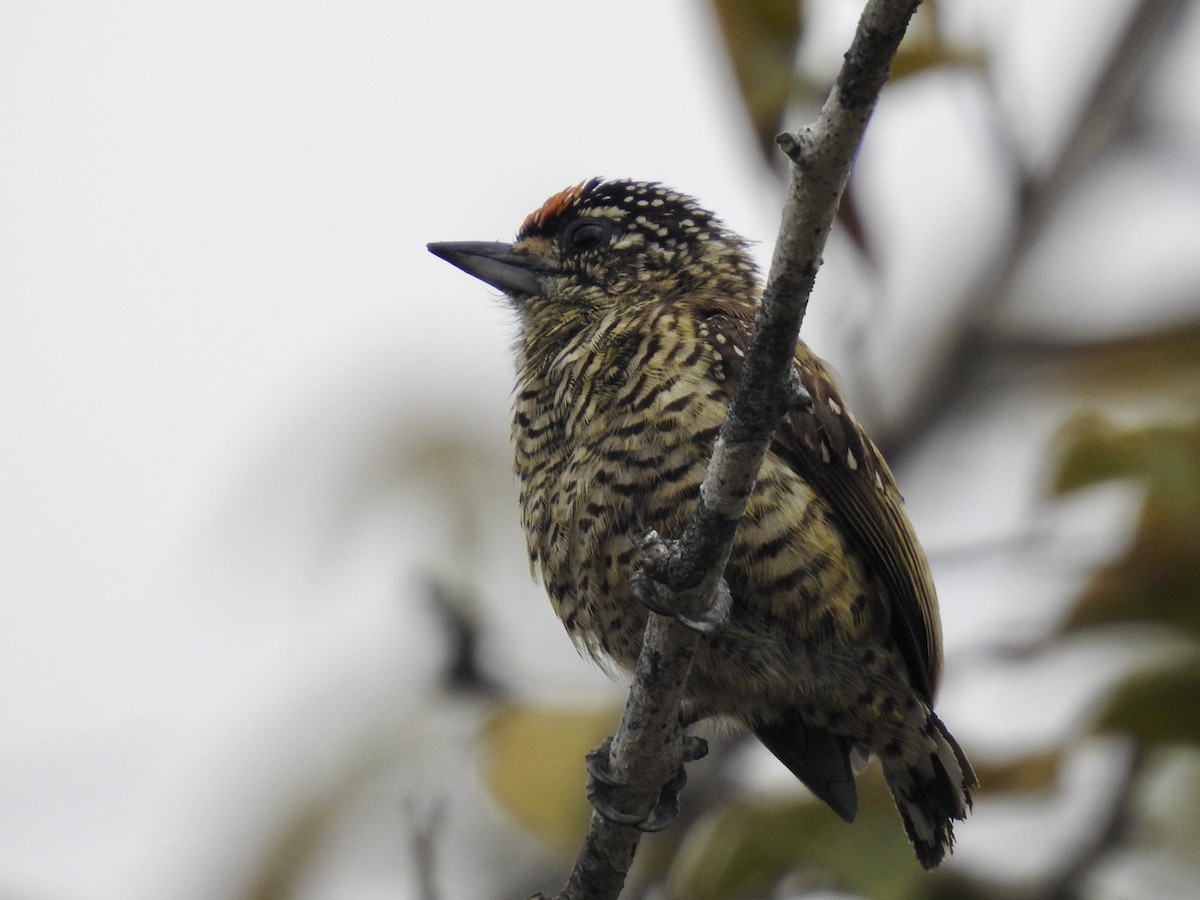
(216, 295)
(212, 231)
(213, 210)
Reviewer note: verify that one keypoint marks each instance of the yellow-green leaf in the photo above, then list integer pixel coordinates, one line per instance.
(534, 767)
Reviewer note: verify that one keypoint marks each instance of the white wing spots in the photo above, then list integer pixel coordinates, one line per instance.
(835, 407)
(720, 338)
(878, 481)
(825, 457)
(851, 461)
(657, 201)
(738, 351)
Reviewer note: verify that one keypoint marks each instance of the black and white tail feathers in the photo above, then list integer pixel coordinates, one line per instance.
(931, 791)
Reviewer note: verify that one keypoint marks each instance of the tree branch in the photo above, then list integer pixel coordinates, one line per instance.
(647, 749)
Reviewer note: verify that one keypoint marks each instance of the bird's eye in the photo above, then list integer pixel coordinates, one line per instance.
(586, 234)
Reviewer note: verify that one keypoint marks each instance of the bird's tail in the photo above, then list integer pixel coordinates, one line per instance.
(931, 791)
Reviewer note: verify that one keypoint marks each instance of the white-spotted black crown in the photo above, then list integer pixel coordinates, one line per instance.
(646, 225)
(648, 206)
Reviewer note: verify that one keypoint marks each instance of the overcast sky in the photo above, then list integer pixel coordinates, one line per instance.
(214, 282)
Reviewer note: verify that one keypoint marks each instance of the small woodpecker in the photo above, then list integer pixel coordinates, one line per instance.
(635, 305)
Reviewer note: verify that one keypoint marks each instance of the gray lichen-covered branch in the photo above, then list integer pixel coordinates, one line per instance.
(685, 574)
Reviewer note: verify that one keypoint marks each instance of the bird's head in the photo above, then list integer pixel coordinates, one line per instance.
(603, 245)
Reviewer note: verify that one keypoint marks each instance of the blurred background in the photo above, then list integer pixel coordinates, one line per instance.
(267, 626)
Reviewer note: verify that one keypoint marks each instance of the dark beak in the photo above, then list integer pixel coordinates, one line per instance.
(497, 264)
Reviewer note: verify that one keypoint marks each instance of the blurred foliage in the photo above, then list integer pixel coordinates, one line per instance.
(1160, 366)
(533, 765)
(1157, 579)
(761, 39)
(924, 48)
(1159, 705)
(748, 847)
(1033, 773)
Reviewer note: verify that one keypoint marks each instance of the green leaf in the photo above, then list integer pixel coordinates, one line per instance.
(1158, 706)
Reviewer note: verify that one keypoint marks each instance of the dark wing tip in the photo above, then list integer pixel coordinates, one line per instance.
(820, 760)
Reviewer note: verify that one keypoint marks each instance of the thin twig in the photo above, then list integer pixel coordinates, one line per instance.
(647, 749)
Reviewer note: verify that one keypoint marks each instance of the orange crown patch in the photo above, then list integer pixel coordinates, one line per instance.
(557, 204)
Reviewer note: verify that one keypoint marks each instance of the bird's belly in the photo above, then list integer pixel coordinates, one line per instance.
(805, 614)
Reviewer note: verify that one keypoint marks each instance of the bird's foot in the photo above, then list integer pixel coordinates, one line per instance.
(797, 399)
(689, 607)
(656, 598)
(605, 790)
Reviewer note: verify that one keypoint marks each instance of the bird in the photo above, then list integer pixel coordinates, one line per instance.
(634, 306)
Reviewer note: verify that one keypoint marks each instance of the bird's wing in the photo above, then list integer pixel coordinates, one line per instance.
(829, 449)
(817, 758)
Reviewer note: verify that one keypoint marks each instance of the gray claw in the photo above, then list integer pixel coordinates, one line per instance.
(798, 398)
(597, 765)
(651, 596)
(713, 618)
(694, 748)
(604, 788)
